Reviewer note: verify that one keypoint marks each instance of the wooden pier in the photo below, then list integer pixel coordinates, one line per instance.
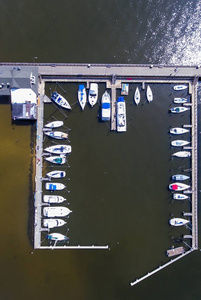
(175, 251)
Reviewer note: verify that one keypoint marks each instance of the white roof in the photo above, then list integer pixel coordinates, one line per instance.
(23, 96)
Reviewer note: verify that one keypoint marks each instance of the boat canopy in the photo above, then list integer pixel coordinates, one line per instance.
(106, 105)
(120, 99)
(81, 86)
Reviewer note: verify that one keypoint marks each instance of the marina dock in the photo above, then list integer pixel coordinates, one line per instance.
(113, 76)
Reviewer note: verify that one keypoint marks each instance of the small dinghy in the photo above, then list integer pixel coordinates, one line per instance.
(105, 107)
(178, 130)
(137, 96)
(82, 96)
(59, 160)
(56, 174)
(53, 199)
(178, 222)
(181, 100)
(93, 94)
(54, 186)
(182, 154)
(54, 124)
(52, 223)
(59, 135)
(60, 100)
(179, 143)
(149, 94)
(59, 149)
(177, 186)
(56, 211)
(180, 196)
(56, 237)
(179, 109)
(180, 87)
(180, 177)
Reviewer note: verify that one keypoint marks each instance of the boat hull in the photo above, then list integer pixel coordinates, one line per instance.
(57, 237)
(52, 223)
(82, 96)
(177, 186)
(54, 186)
(137, 96)
(93, 94)
(179, 143)
(182, 154)
(178, 222)
(54, 124)
(53, 199)
(177, 130)
(59, 160)
(60, 100)
(59, 135)
(180, 196)
(57, 211)
(180, 87)
(56, 174)
(105, 107)
(121, 115)
(59, 149)
(179, 109)
(181, 100)
(149, 94)
(180, 177)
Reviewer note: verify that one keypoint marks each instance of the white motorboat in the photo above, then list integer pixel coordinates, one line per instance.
(179, 143)
(60, 100)
(54, 186)
(56, 174)
(178, 130)
(51, 223)
(93, 94)
(82, 96)
(59, 160)
(182, 154)
(53, 199)
(180, 87)
(56, 211)
(137, 96)
(121, 115)
(179, 109)
(124, 88)
(105, 107)
(177, 186)
(180, 177)
(59, 149)
(59, 135)
(178, 222)
(177, 196)
(181, 100)
(54, 124)
(57, 237)
(149, 94)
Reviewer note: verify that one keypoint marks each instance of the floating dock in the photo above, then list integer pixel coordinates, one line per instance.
(175, 251)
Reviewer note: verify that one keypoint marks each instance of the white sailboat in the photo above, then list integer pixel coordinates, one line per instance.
(178, 222)
(180, 87)
(82, 96)
(180, 177)
(59, 149)
(179, 109)
(56, 174)
(57, 237)
(178, 130)
(177, 186)
(60, 160)
(137, 96)
(179, 143)
(177, 196)
(149, 94)
(60, 100)
(54, 124)
(59, 135)
(182, 154)
(181, 100)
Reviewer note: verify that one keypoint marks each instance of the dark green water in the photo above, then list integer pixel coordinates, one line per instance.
(118, 182)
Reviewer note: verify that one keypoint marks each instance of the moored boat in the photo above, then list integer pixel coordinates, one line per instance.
(180, 87)
(60, 100)
(178, 130)
(137, 96)
(60, 160)
(56, 211)
(54, 124)
(56, 237)
(177, 196)
(121, 114)
(177, 186)
(54, 186)
(179, 143)
(105, 107)
(179, 109)
(178, 222)
(181, 100)
(149, 94)
(52, 223)
(53, 199)
(93, 94)
(56, 174)
(59, 149)
(124, 88)
(182, 154)
(82, 96)
(180, 177)
(59, 135)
